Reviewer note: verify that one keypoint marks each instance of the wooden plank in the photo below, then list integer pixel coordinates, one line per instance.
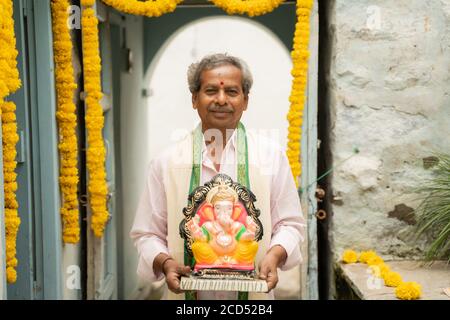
(433, 279)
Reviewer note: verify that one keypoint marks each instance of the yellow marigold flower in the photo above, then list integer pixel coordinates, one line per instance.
(408, 291)
(374, 261)
(392, 279)
(251, 7)
(11, 275)
(149, 8)
(349, 256)
(384, 268)
(366, 255)
(379, 270)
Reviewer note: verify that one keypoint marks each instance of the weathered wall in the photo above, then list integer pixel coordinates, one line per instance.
(388, 88)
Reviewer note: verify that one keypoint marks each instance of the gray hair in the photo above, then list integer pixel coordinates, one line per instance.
(216, 60)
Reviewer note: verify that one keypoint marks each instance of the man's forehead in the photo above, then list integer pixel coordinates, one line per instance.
(225, 72)
(221, 83)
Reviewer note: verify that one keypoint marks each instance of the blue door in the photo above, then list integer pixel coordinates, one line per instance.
(39, 240)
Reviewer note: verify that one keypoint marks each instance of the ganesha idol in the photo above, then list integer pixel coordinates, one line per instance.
(223, 235)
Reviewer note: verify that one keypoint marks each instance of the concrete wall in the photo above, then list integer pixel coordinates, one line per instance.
(388, 93)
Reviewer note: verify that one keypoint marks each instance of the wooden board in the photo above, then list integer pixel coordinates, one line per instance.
(433, 279)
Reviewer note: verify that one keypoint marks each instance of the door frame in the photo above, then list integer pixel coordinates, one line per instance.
(283, 28)
(39, 240)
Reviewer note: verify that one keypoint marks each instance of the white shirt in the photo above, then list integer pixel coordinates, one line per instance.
(150, 225)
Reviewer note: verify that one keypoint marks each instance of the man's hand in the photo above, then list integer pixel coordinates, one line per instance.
(273, 259)
(173, 272)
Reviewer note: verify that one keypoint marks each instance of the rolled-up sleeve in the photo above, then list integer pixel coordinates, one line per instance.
(288, 224)
(149, 230)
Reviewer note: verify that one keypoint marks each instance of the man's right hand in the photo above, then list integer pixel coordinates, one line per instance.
(173, 273)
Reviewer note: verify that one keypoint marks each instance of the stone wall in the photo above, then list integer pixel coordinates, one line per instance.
(388, 94)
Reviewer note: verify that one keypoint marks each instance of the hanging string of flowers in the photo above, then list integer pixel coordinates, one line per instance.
(250, 7)
(300, 55)
(67, 121)
(12, 220)
(9, 83)
(149, 8)
(96, 152)
(403, 290)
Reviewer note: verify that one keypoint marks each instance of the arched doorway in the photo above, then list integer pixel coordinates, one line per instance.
(162, 95)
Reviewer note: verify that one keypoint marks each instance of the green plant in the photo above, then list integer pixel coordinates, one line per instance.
(433, 213)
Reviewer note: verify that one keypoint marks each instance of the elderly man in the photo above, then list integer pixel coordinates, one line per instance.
(220, 86)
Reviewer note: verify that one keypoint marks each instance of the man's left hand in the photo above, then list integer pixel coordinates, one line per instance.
(273, 259)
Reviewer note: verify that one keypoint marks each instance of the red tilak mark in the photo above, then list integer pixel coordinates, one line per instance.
(221, 83)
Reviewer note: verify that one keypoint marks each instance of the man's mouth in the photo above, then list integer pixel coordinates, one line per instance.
(223, 109)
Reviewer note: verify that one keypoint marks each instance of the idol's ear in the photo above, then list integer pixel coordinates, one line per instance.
(236, 212)
(239, 213)
(208, 212)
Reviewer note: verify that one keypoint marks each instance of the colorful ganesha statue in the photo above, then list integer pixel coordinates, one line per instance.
(223, 233)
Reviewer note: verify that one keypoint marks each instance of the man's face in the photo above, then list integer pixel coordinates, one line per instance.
(220, 101)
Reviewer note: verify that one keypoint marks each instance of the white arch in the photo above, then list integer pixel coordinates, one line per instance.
(169, 104)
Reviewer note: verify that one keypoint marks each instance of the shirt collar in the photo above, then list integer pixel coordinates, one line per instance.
(231, 144)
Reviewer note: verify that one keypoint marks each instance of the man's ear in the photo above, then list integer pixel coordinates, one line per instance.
(194, 100)
(245, 102)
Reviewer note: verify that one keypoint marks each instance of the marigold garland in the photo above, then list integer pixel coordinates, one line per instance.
(374, 261)
(149, 8)
(249, 7)
(404, 290)
(9, 83)
(300, 55)
(365, 256)
(96, 152)
(67, 121)
(9, 74)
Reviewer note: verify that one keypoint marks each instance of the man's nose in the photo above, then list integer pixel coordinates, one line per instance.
(221, 98)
